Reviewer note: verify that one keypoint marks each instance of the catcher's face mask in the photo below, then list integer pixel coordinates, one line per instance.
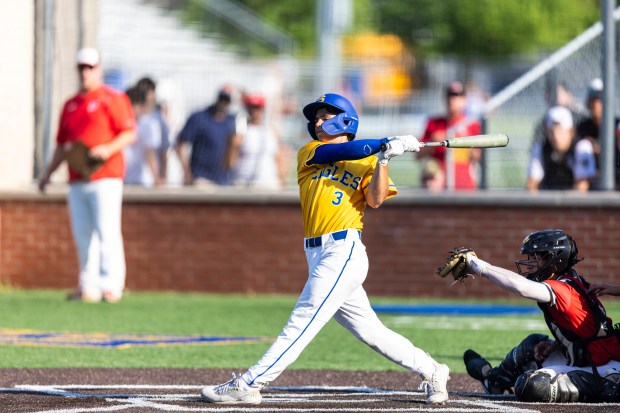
(536, 266)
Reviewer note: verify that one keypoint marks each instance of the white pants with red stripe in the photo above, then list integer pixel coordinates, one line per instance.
(337, 269)
(95, 211)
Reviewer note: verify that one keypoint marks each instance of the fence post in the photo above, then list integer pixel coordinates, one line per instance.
(607, 133)
(483, 184)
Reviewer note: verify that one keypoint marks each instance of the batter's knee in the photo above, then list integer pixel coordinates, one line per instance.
(372, 338)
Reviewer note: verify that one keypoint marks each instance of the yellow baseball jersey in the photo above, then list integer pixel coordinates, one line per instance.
(333, 195)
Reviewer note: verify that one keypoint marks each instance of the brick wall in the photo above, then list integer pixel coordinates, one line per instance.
(251, 243)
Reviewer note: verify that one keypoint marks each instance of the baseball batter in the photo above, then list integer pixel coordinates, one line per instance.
(337, 178)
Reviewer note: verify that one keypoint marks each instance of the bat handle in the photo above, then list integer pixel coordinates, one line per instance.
(422, 144)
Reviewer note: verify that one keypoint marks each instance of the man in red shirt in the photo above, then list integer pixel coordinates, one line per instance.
(454, 125)
(582, 363)
(103, 120)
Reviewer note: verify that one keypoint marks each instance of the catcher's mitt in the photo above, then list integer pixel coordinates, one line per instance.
(77, 157)
(456, 264)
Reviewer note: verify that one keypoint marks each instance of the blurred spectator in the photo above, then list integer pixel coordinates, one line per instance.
(433, 176)
(148, 87)
(564, 97)
(475, 98)
(141, 156)
(453, 125)
(558, 94)
(209, 132)
(102, 119)
(589, 128)
(257, 157)
(561, 161)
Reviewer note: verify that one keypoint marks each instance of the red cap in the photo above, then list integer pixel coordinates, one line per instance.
(254, 100)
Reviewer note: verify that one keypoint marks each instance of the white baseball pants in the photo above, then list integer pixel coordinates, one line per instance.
(95, 211)
(337, 269)
(556, 364)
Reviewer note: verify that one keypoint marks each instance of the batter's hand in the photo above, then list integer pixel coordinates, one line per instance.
(394, 147)
(411, 143)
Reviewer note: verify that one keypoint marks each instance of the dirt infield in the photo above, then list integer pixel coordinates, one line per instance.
(177, 390)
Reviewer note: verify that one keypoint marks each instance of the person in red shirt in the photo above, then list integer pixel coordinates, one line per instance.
(454, 125)
(582, 361)
(102, 119)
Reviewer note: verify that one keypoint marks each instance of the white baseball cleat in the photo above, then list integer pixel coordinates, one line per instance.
(230, 393)
(436, 391)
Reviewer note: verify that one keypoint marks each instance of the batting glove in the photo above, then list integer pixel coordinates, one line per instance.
(394, 147)
(411, 143)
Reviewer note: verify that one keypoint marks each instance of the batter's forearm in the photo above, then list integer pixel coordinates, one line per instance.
(348, 151)
(379, 187)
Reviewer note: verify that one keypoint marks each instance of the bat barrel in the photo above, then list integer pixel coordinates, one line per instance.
(494, 140)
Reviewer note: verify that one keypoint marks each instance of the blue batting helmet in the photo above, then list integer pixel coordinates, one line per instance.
(346, 121)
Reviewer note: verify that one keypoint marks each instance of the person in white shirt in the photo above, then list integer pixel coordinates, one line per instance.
(256, 155)
(142, 167)
(561, 161)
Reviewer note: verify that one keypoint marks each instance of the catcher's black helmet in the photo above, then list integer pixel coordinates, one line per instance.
(550, 253)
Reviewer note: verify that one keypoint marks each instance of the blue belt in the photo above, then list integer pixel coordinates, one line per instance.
(317, 241)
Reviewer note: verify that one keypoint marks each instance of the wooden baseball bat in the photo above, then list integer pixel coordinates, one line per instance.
(492, 140)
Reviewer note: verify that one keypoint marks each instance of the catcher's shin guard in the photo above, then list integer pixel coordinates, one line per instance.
(574, 386)
(519, 360)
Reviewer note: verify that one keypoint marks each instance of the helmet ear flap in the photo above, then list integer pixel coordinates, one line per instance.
(311, 131)
(573, 254)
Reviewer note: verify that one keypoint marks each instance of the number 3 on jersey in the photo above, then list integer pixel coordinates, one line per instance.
(338, 199)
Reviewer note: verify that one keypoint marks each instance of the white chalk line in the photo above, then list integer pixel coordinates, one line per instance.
(467, 323)
(297, 394)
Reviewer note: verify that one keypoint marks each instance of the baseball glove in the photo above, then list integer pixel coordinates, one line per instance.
(78, 159)
(456, 264)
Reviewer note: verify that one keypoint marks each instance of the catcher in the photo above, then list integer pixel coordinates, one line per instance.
(582, 363)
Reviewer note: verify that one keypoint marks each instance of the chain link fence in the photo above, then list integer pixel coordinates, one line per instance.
(394, 90)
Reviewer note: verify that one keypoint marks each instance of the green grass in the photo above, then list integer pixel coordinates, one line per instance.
(445, 338)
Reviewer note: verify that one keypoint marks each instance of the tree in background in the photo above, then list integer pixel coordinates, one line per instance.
(298, 18)
(491, 29)
(468, 30)
(488, 29)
